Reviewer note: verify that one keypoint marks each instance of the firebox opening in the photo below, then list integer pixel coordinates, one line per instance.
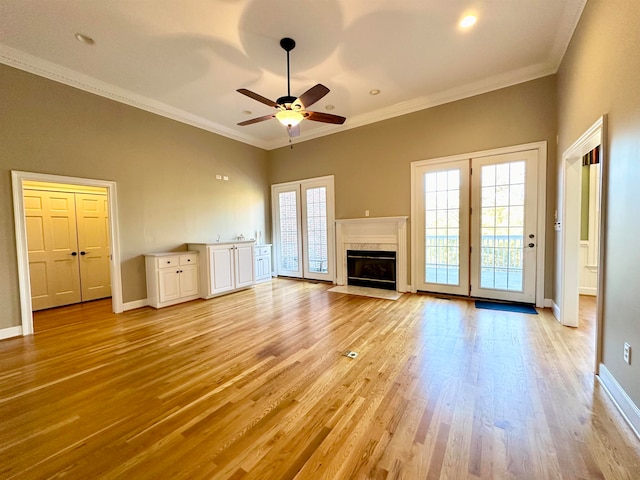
(367, 268)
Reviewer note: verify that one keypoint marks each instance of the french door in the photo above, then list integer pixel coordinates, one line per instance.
(303, 220)
(477, 226)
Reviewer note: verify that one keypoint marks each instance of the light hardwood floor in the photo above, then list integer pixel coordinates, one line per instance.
(254, 385)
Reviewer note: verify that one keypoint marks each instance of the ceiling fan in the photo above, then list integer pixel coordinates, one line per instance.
(291, 110)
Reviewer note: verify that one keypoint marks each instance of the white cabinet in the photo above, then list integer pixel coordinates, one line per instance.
(263, 263)
(229, 267)
(171, 278)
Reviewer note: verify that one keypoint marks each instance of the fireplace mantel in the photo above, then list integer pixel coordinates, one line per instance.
(372, 233)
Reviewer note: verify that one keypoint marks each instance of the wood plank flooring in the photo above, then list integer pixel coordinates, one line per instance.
(254, 385)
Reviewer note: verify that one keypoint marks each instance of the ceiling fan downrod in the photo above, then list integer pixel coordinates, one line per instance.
(287, 45)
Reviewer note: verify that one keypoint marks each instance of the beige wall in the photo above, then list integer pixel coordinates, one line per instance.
(599, 75)
(164, 170)
(372, 164)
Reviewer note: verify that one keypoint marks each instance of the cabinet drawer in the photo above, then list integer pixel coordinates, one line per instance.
(189, 259)
(263, 250)
(168, 261)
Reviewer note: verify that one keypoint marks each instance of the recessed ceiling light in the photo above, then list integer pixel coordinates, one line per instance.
(329, 107)
(84, 38)
(468, 21)
(375, 91)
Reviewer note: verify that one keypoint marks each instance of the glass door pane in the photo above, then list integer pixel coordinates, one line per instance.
(443, 245)
(504, 193)
(287, 231)
(317, 247)
(502, 236)
(319, 230)
(442, 221)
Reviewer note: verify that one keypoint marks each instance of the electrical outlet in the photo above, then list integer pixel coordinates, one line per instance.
(366, 213)
(627, 353)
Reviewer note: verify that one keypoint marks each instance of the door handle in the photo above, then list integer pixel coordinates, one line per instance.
(73, 254)
(83, 253)
(531, 245)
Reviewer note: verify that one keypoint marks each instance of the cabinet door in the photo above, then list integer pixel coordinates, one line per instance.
(188, 280)
(259, 268)
(168, 284)
(222, 271)
(244, 266)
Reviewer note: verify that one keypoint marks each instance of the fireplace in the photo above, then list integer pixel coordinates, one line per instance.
(371, 268)
(373, 237)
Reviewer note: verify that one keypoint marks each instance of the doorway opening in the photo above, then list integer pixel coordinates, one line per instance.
(68, 243)
(569, 225)
(20, 182)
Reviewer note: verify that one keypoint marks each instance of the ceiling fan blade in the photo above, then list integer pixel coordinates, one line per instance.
(256, 120)
(257, 97)
(294, 131)
(311, 96)
(325, 118)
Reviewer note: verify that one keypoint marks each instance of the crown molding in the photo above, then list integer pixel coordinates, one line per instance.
(421, 103)
(37, 66)
(571, 17)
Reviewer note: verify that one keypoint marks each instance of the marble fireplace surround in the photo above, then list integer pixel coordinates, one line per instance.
(372, 233)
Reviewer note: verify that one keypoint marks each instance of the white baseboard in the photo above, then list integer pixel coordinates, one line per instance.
(135, 304)
(11, 332)
(625, 405)
(548, 303)
(588, 291)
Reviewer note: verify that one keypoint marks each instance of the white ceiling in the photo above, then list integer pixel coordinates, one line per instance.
(185, 59)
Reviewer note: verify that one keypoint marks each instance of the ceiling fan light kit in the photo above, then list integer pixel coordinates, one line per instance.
(291, 110)
(289, 118)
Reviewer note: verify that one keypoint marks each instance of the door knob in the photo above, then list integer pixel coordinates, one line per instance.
(83, 253)
(73, 254)
(531, 245)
